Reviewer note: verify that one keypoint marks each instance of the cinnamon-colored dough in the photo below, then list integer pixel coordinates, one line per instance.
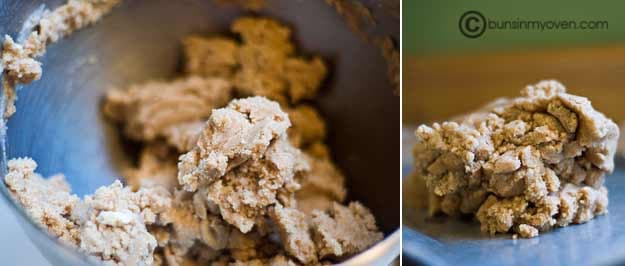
(536, 161)
(344, 230)
(321, 186)
(18, 60)
(158, 109)
(109, 225)
(220, 179)
(294, 233)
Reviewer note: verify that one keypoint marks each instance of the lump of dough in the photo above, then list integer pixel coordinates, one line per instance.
(268, 65)
(344, 230)
(294, 233)
(523, 152)
(241, 131)
(18, 60)
(47, 201)
(321, 186)
(245, 193)
(113, 223)
(109, 225)
(210, 57)
(148, 110)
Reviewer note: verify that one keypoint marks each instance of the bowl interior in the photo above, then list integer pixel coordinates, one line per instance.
(59, 121)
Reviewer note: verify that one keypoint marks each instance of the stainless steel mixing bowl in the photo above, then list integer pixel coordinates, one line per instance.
(59, 123)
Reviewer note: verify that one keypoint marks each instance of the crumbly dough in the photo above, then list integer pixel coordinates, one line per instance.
(18, 60)
(243, 161)
(579, 204)
(522, 162)
(344, 230)
(241, 180)
(527, 231)
(294, 233)
(574, 204)
(154, 109)
(210, 57)
(220, 180)
(191, 223)
(233, 135)
(47, 201)
(244, 194)
(113, 223)
(263, 64)
(321, 186)
(109, 225)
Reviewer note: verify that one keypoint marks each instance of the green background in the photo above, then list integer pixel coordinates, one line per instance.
(431, 27)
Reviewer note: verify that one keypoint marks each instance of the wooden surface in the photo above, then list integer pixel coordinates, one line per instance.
(435, 88)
